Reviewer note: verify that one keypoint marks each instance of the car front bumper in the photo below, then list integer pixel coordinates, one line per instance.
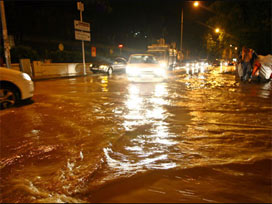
(27, 90)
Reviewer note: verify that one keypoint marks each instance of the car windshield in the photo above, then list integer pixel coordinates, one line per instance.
(136, 59)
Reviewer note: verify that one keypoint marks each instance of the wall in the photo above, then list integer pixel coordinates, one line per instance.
(47, 70)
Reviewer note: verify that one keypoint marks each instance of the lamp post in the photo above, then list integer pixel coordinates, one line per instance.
(196, 4)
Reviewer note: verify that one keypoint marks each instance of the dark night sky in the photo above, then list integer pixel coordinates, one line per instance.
(153, 19)
(158, 18)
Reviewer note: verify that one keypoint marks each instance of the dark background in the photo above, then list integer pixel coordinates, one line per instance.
(42, 25)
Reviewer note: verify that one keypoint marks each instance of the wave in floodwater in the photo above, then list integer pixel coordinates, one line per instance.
(203, 138)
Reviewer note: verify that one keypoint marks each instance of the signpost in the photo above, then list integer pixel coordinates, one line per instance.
(120, 46)
(93, 49)
(80, 34)
(82, 26)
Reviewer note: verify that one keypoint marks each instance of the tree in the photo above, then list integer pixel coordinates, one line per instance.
(23, 52)
(244, 22)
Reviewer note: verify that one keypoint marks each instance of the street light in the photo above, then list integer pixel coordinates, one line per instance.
(196, 4)
(217, 30)
(181, 25)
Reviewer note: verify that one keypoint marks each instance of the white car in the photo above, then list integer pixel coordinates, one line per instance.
(14, 86)
(145, 67)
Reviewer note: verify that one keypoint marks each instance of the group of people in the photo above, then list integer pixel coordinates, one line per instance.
(247, 59)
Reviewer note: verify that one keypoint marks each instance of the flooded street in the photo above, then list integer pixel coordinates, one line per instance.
(193, 138)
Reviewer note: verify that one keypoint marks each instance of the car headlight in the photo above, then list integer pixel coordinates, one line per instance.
(26, 77)
(91, 65)
(132, 71)
(163, 64)
(160, 72)
(104, 67)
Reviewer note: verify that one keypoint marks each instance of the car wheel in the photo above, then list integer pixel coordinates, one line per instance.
(110, 71)
(8, 97)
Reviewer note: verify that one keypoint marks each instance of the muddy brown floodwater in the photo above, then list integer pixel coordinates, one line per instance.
(193, 138)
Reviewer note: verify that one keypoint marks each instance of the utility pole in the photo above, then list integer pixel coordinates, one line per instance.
(181, 30)
(5, 34)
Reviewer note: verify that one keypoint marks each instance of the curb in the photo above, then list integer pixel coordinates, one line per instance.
(58, 77)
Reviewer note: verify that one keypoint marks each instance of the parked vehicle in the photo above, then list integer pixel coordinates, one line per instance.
(221, 62)
(145, 67)
(189, 63)
(262, 69)
(109, 66)
(14, 87)
(203, 62)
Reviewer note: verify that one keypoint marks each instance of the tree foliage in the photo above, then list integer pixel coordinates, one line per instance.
(23, 52)
(242, 23)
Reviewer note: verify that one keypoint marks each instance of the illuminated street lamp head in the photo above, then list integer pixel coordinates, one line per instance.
(217, 30)
(196, 4)
(120, 45)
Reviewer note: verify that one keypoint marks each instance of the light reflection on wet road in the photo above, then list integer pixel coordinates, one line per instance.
(204, 137)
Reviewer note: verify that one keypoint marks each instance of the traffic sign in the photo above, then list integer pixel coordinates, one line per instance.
(80, 6)
(80, 35)
(81, 26)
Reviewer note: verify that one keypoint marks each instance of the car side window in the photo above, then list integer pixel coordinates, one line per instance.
(119, 61)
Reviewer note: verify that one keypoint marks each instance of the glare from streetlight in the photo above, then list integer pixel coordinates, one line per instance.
(196, 4)
(217, 30)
